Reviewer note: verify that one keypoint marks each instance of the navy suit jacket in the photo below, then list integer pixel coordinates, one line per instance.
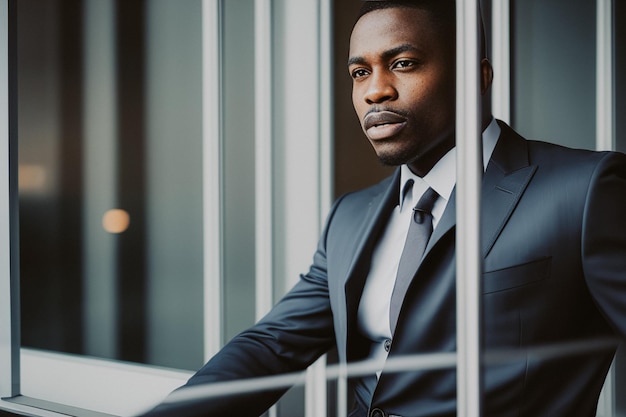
(554, 246)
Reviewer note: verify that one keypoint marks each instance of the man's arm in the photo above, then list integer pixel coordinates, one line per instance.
(289, 338)
(604, 239)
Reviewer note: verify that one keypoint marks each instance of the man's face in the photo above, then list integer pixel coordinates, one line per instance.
(403, 73)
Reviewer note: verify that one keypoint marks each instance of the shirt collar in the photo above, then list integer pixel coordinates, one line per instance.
(442, 176)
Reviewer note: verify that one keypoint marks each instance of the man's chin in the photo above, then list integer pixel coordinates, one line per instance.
(394, 159)
(390, 162)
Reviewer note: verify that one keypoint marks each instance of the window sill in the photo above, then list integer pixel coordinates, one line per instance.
(51, 380)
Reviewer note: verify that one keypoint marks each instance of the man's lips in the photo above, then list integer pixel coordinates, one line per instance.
(383, 124)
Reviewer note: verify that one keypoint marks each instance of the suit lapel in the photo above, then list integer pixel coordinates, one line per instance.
(498, 203)
(507, 176)
(375, 219)
(378, 212)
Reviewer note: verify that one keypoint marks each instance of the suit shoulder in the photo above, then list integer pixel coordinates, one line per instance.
(540, 151)
(574, 169)
(546, 153)
(366, 194)
(353, 205)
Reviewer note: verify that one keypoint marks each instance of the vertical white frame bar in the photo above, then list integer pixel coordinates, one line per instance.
(316, 382)
(605, 77)
(263, 154)
(326, 170)
(501, 55)
(605, 136)
(212, 174)
(317, 397)
(606, 402)
(469, 176)
(263, 159)
(9, 322)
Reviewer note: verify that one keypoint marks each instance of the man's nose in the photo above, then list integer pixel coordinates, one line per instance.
(380, 89)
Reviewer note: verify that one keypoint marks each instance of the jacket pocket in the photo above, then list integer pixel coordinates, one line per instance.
(516, 276)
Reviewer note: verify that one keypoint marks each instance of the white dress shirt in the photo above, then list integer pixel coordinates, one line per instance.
(373, 314)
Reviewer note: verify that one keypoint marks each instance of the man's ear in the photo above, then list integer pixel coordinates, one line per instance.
(486, 75)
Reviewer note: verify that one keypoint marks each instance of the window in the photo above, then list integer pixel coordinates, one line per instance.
(161, 188)
(147, 111)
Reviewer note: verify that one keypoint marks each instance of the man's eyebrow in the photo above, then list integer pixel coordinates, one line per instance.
(388, 54)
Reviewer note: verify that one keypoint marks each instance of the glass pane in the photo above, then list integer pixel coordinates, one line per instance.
(110, 140)
(553, 70)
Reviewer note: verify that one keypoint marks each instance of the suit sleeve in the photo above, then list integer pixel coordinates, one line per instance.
(297, 331)
(604, 239)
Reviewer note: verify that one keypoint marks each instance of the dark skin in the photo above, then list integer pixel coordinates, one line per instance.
(403, 69)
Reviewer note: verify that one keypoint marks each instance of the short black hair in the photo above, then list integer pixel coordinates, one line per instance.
(442, 11)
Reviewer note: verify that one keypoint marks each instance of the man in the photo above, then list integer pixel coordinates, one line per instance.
(554, 245)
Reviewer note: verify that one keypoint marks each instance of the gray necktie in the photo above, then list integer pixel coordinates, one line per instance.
(420, 229)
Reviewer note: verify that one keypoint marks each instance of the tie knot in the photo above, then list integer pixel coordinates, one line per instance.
(425, 205)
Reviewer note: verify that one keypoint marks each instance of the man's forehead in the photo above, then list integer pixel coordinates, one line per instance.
(387, 29)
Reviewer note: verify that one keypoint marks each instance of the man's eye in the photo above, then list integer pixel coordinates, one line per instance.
(358, 73)
(405, 63)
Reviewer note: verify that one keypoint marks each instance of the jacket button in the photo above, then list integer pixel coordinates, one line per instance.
(387, 345)
(377, 412)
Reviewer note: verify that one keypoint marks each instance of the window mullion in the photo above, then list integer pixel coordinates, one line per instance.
(469, 175)
(9, 294)
(605, 137)
(212, 175)
(501, 46)
(605, 79)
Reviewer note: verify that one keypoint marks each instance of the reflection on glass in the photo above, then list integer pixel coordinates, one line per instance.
(116, 221)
